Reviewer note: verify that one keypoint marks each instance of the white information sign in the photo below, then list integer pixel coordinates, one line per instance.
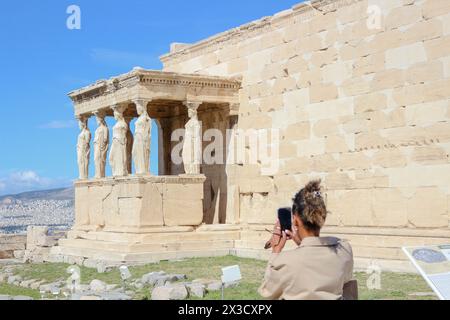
(433, 263)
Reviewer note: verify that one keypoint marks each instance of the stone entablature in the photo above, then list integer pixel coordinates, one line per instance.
(154, 85)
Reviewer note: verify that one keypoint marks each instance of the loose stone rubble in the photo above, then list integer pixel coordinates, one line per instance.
(160, 286)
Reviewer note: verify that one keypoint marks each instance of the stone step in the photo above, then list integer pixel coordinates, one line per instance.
(155, 237)
(146, 247)
(139, 258)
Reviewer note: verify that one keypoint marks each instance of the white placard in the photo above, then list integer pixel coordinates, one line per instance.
(433, 264)
(231, 274)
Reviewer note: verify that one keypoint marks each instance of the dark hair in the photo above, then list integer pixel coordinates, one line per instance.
(310, 207)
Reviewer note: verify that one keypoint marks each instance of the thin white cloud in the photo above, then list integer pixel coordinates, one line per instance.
(59, 124)
(29, 180)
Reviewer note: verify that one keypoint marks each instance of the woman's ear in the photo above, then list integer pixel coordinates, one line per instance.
(296, 221)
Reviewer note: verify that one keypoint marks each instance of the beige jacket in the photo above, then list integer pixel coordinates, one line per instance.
(316, 270)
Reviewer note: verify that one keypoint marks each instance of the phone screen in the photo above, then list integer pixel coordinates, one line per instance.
(285, 217)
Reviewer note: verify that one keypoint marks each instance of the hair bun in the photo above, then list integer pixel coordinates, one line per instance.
(310, 204)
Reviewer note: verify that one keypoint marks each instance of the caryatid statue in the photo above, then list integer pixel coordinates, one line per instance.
(101, 143)
(83, 148)
(129, 145)
(192, 143)
(118, 154)
(142, 139)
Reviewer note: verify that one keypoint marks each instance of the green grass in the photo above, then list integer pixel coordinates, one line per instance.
(394, 286)
(6, 289)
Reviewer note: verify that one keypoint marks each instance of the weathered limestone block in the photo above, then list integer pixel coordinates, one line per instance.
(271, 103)
(384, 119)
(356, 86)
(310, 44)
(337, 73)
(296, 65)
(323, 22)
(355, 208)
(296, 165)
(354, 160)
(96, 196)
(299, 131)
(330, 109)
(428, 155)
(237, 66)
(311, 77)
(324, 57)
(388, 79)
(270, 72)
(152, 205)
(336, 144)
(425, 72)
(183, 204)
(326, 127)
(438, 48)
(324, 163)
(82, 207)
(355, 125)
(371, 102)
(281, 86)
(390, 158)
(271, 39)
(404, 15)
(338, 181)
(371, 179)
(288, 183)
(427, 208)
(259, 59)
(426, 113)
(284, 52)
(405, 56)
(311, 147)
(423, 30)
(389, 208)
(209, 60)
(297, 98)
(368, 64)
(414, 176)
(248, 46)
(435, 8)
(324, 92)
(370, 140)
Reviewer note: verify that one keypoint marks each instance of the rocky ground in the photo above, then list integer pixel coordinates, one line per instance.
(163, 286)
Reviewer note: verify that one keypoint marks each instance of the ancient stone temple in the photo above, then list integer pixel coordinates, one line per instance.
(359, 91)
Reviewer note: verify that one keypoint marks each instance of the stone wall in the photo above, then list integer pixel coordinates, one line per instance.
(12, 246)
(364, 108)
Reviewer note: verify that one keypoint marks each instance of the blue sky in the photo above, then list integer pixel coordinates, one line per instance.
(41, 61)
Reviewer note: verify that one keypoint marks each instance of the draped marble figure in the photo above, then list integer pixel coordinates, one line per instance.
(142, 138)
(118, 154)
(83, 149)
(101, 143)
(130, 139)
(192, 150)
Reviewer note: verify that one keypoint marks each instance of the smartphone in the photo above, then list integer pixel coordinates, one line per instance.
(285, 217)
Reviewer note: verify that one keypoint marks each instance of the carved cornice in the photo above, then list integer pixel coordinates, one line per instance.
(150, 78)
(300, 12)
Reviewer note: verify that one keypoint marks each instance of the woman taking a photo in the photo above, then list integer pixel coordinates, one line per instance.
(320, 267)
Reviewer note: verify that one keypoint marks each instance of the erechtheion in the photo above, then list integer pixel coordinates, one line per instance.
(359, 92)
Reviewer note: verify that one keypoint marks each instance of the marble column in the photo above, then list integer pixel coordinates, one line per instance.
(118, 154)
(142, 139)
(192, 143)
(101, 144)
(83, 148)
